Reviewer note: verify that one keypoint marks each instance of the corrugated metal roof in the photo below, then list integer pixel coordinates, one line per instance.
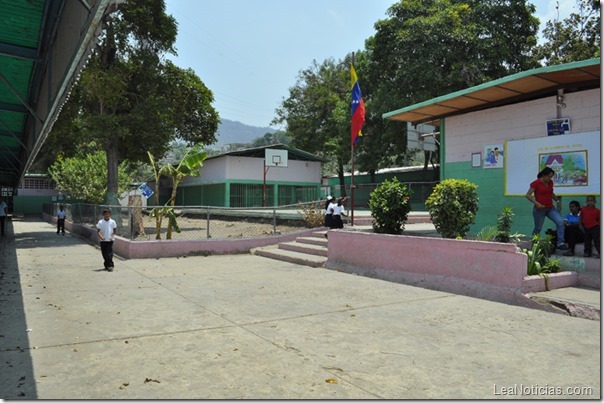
(32, 47)
(532, 84)
(20, 27)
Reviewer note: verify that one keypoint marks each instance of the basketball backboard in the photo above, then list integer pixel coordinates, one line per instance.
(275, 158)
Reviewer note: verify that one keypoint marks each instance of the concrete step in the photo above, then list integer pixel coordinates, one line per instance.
(590, 280)
(305, 259)
(316, 250)
(321, 241)
(579, 263)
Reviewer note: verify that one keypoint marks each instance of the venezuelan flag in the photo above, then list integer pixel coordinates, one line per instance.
(358, 107)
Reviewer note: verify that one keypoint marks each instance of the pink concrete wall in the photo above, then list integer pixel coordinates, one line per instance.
(489, 270)
(172, 248)
(490, 263)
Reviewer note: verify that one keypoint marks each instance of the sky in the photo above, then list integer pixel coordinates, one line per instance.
(249, 52)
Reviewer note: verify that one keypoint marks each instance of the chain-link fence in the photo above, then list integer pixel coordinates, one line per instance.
(194, 222)
(420, 191)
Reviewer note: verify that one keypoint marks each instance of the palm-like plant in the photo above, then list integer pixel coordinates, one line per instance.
(189, 165)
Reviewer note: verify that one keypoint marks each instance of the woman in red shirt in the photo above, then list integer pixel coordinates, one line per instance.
(541, 194)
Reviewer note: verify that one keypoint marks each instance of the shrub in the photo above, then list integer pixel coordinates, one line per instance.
(539, 261)
(389, 205)
(486, 234)
(504, 224)
(313, 214)
(453, 205)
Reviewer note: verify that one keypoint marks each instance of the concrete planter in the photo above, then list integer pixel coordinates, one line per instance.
(489, 270)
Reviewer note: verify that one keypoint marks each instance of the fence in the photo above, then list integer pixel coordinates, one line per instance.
(194, 222)
(420, 191)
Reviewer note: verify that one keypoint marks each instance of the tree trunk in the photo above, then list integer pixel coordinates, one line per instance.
(372, 175)
(112, 175)
(111, 199)
(169, 233)
(427, 157)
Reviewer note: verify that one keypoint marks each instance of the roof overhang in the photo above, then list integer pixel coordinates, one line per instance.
(524, 86)
(259, 152)
(43, 47)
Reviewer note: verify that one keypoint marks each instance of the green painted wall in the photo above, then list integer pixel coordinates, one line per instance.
(491, 198)
(247, 194)
(29, 204)
(413, 176)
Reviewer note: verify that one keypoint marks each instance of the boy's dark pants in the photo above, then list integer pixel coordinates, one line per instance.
(592, 234)
(573, 235)
(2, 221)
(60, 225)
(107, 251)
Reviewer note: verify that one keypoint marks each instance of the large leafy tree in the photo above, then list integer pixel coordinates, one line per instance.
(84, 176)
(427, 48)
(575, 38)
(131, 100)
(317, 112)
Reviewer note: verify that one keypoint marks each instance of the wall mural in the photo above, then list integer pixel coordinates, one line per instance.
(570, 167)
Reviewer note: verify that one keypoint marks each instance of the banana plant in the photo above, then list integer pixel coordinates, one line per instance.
(189, 165)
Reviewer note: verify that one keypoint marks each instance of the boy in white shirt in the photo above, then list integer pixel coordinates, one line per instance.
(61, 220)
(106, 231)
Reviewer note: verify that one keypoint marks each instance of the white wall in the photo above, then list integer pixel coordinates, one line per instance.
(469, 133)
(248, 168)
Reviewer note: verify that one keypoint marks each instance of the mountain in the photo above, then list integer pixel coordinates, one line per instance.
(230, 131)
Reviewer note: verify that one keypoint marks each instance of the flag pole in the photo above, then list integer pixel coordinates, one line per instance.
(352, 173)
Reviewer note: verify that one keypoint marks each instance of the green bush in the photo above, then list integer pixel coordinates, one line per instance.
(453, 205)
(389, 205)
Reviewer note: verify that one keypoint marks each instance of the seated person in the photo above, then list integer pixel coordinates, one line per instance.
(572, 227)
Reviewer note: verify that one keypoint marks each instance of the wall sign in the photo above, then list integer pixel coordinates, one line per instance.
(556, 127)
(476, 160)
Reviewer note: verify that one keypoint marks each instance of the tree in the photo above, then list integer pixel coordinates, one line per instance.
(190, 165)
(129, 99)
(574, 39)
(278, 137)
(317, 112)
(427, 48)
(84, 177)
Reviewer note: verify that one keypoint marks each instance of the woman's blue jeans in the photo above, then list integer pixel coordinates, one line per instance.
(553, 214)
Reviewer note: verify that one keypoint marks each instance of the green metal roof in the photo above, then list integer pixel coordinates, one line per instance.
(531, 84)
(43, 44)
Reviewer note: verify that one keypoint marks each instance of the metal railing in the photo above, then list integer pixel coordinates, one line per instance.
(420, 191)
(195, 222)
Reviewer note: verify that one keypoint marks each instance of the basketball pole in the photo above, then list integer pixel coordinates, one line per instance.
(264, 184)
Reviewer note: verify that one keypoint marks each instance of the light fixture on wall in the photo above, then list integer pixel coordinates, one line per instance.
(560, 101)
